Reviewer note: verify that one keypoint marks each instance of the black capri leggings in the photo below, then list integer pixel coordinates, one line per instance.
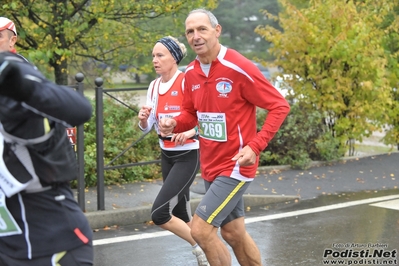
(179, 169)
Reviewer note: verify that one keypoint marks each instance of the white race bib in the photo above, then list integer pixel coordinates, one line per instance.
(167, 115)
(213, 126)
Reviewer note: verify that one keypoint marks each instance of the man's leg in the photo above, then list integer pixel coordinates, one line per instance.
(221, 204)
(207, 238)
(244, 247)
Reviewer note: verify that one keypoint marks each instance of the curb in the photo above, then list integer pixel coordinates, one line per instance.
(138, 215)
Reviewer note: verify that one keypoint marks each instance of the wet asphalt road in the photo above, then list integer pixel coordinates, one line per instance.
(349, 229)
(347, 214)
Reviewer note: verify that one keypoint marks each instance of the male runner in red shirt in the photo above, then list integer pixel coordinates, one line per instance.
(223, 91)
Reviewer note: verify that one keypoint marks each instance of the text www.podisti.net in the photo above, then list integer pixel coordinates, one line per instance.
(360, 257)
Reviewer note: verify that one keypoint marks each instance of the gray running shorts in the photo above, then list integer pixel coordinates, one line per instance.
(223, 201)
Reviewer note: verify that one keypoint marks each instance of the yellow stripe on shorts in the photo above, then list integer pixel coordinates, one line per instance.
(220, 208)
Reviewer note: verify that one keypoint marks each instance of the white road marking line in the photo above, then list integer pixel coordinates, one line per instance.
(392, 204)
(130, 238)
(252, 220)
(319, 209)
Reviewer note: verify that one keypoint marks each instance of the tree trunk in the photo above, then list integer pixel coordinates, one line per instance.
(60, 70)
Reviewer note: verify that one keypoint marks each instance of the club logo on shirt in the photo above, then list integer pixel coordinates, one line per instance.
(174, 107)
(195, 87)
(174, 93)
(224, 88)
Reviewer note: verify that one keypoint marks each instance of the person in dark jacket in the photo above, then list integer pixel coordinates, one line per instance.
(40, 221)
(8, 35)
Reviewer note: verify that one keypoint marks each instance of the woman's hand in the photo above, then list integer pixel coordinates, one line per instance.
(180, 138)
(143, 115)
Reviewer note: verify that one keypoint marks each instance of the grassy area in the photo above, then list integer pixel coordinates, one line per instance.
(127, 85)
(370, 149)
(90, 93)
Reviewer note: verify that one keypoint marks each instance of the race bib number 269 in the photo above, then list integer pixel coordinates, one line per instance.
(213, 126)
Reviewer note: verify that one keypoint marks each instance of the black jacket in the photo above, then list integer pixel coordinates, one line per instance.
(48, 221)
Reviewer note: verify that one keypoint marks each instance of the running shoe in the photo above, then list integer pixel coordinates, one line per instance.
(201, 258)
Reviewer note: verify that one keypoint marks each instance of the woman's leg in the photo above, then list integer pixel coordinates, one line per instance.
(179, 170)
(171, 210)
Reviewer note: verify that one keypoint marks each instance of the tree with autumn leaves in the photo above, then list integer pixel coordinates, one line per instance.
(342, 60)
(56, 34)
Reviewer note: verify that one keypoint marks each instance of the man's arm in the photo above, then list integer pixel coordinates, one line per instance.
(188, 117)
(22, 82)
(265, 96)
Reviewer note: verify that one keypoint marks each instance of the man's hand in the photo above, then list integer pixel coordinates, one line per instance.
(245, 157)
(166, 126)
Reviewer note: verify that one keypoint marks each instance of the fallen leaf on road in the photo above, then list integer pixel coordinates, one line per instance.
(150, 223)
(115, 206)
(274, 171)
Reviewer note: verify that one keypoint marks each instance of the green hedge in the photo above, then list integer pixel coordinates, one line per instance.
(120, 131)
(302, 138)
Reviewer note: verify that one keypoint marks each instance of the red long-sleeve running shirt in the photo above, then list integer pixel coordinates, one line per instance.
(224, 104)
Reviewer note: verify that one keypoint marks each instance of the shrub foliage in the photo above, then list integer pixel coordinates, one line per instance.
(302, 138)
